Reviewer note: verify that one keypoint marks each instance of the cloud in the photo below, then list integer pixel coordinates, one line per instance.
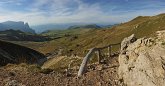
(76, 11)
(16, 2)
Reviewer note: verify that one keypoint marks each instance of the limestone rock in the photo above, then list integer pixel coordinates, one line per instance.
(143, 63)
(99, 67)
(161, 34)
(127, 41)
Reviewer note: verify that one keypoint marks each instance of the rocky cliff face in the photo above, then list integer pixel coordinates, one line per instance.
(142, 61)
(16, 26)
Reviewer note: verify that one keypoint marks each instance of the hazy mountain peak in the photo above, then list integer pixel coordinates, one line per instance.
(20, 25)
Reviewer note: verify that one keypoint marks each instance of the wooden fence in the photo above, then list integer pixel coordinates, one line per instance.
(83, 66)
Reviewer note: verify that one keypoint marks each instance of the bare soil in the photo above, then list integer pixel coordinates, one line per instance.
(97, 75)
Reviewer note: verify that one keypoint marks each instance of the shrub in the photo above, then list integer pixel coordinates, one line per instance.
(34, 68)
(46, 71)
(163, 43)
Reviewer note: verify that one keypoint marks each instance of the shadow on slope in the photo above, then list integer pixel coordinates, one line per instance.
(12, 53)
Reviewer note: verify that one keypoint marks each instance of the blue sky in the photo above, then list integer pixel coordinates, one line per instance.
(37, 12)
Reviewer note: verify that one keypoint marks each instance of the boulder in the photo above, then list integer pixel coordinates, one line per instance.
(143, 63)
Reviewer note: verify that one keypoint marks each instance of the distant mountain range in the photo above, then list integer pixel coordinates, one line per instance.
(75, 29)
(49, 27)
(16, 26)
(46, 27)
(24, 27)
(109, 26)
(92, 26)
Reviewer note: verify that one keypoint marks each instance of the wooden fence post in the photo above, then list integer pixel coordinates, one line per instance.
(109, 51)
(89, 54)
(85, 61)
(99, 56)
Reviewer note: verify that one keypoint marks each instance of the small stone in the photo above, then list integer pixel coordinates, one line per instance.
(12, 83)
(100, 67)
(11, 74)
(99, 84)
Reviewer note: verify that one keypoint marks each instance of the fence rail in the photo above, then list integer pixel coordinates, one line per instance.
(83, 66)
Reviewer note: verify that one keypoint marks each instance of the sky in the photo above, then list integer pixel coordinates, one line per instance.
(38, 12)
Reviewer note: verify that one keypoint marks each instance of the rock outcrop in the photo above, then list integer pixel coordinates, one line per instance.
(143, 62)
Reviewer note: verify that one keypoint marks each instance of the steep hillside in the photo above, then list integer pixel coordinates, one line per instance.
(140, 26)
(146, 26)
(12, 53)
(16, 26)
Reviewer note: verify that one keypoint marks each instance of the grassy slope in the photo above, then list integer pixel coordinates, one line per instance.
(59, 33)
(16, 35)
(86, 39)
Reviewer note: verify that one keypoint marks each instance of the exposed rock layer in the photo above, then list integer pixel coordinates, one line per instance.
(143, 62)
